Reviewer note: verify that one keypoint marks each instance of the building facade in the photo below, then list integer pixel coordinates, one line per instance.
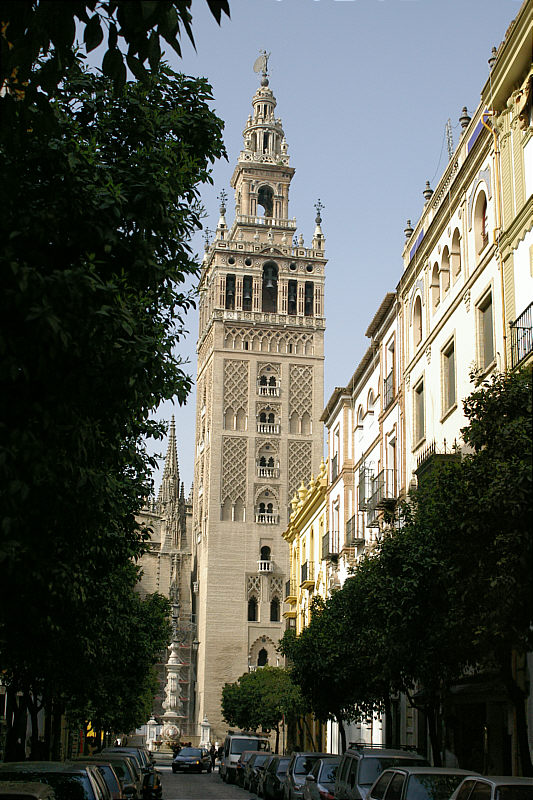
(259, 400)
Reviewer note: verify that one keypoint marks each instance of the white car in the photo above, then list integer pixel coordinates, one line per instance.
(494, 787)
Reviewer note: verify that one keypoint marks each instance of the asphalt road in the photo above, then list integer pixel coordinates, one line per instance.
(183, 786)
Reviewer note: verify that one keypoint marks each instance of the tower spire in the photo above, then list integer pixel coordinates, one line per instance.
(170, 483)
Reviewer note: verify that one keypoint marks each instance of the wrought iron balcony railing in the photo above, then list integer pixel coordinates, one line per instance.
(521, 336)
(388, 389)
(330, 545)
(382, 488)
(353, 538)
(334, 467)
(290, 589)
(307, 573)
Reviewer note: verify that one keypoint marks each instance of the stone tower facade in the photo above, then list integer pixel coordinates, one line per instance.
(259, 401)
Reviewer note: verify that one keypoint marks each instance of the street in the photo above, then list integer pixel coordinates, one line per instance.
(183, 786)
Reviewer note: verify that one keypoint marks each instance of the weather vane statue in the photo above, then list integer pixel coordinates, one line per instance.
(261, 65)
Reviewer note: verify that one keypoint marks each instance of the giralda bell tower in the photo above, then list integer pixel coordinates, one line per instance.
(259, 401)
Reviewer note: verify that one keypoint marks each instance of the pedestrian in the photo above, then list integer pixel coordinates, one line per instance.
(213, 754)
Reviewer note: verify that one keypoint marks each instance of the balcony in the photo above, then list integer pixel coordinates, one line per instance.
(334, 467)
(330, 545)
(266, 519)
(388, 389)
(353, 539)
(268, 391)
(291, 594)
(265, 566)
(267, 472)
(365, 478)
(268, 427)
(383, 494)
(521, 336)
(307, 575)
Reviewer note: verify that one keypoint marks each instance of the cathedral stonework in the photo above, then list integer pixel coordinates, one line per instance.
(259, 401)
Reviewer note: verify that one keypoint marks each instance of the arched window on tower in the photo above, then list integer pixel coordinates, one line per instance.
(265, 198)
(274, 610)
(270, 287)
(309, 297)
(247, 284)
(265, 553)
(292, 297)
(230, 291)
(262, 658)
(252, 609)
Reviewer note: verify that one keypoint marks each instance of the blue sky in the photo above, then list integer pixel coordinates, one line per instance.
(364, 90)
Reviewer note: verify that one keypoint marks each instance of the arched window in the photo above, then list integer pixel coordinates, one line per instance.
(271, 419)
(272, 381)
(252, 609)
(270, 287)
(480, 223)
(455, 254)
(445, 270)
(263, 380)
(262, 461)
(274, 610)
(262, 417)
(417, 322)
(265, 553)
(265, 198)
(309, 297)
(270, 462)
(262, 658)
(230, 291)
(435, 288)
(292, 297)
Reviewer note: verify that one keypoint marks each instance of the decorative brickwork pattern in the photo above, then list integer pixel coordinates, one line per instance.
(276, 587)
(299, 465)
(235, 385)
(254, 586)
(233, 469)
(301, 389)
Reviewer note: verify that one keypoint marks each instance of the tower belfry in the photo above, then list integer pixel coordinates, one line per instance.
(259, 401)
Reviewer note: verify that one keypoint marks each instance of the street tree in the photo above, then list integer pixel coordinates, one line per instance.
(95, 253)
(261, 699)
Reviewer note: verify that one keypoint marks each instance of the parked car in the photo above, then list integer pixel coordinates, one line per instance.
(69, 780)
(253, 770)
(417, 783)
(234, 745)
(320, 783)
(274, 777)
(151, 779)
(494, 787)
(108, 773)
(300, 765)
(262, 774)
(25, 790)
(361, 765)
(128, 773)
(241, 765)
(192, 759)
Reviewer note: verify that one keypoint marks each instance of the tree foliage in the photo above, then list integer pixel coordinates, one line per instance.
(261, 699)
(103, 200)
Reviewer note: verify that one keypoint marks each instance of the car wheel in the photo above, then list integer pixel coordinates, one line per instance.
(209, 769)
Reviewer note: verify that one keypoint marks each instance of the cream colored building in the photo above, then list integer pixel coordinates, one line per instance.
(259, 400)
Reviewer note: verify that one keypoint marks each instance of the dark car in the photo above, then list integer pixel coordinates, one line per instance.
(70, 781)
(241, 765)
(320, 783)
(417, 783)
(261, 778)
(300, 765)
(24, 790)
(274, 777)
(361, 765)
(192, 759)
(151, 780)
(128, 772)
(253, 770)
(108, 773)
(494, 787)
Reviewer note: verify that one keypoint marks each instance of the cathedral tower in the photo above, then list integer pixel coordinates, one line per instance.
(259, 401)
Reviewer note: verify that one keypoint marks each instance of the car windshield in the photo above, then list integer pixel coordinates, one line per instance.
(260, 759)
(192, 752)
(511, 792)
(371, 768)
(238, 746)
(432, 787)
(304, 764)
(66, 787)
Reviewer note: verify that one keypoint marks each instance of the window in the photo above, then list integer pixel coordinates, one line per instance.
(417, 322)
(247, 284)
(480, 223)
(265, 553)
(435, 288)
(418, 407)
(292, 297)
(485, 332)
(274, 610)
(230, 291)
(309, 295)
(448, 377)
(445, 270)
(252, 609)
(455, 254)
(270, 287)
(262, 658)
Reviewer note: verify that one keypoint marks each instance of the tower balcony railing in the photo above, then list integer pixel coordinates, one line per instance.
(268, 427)
(268, 472)
(307, 574)
(265, 566)
(268, 391)
(266, 519)
(246, 219)
(521, 336)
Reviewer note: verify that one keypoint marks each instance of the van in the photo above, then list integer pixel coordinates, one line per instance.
(234, 745)
(362, 764)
